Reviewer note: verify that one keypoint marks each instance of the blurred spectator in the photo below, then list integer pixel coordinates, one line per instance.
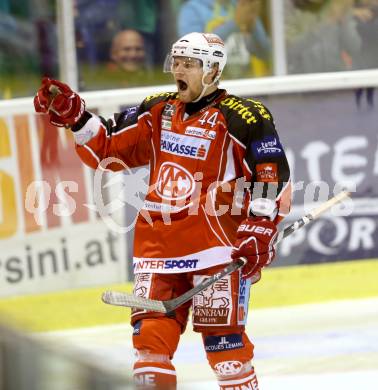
(366, 15)
(239, 24)
(321, 36)
(4, 6)
(44, 12)
(28, 45)
(96, 22)
(18, 49)
(368, 93)
(166, 27)
(142, 16)
(126, 65)
(309, 5)
(127, 51)
(156, 21)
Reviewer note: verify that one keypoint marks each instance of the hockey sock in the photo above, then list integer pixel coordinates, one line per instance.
(158, 373)
(246, 379)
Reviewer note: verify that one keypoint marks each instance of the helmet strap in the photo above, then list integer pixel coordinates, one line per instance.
(205, 86)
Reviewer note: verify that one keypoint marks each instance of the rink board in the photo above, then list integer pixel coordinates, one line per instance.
(63, 244)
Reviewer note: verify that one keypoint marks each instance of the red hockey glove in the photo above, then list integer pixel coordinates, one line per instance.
(64, 106)
(255, 238)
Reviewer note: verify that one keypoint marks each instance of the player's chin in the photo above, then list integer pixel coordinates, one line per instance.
(185, 96)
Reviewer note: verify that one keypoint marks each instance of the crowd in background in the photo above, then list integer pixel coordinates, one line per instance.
(123, 43)
(331, 35)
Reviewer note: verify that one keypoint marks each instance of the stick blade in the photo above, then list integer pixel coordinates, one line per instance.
(129, 300)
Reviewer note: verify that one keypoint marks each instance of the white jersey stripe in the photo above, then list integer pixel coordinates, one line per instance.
(143, 370)
(211, 227)
(237, 381)
(230, 173)
(94, 155)
(237, 141)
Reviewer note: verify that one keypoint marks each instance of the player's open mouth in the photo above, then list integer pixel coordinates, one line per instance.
(181, 85)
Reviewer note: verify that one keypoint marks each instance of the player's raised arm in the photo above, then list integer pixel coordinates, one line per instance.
(125, 137)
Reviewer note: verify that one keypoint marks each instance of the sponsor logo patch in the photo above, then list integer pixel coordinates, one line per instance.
(166, 116)
(217, 53)
(243, 110)
(169, 110)
(184, 145)
(244, 288)
(137, 326)
(223, 343)
(213, 306)
(266, 172)
(166, 124)
(268, 147)
(213, 39)
(160, 207)
(200, 132)
(130, 113)
(142, 287)
(255, 229)
(164, 264)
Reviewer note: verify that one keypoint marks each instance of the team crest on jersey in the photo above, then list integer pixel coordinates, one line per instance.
(174, 182)
(184, 145)
(229, 367)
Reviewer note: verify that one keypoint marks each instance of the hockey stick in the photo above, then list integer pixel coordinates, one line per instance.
(130, 300)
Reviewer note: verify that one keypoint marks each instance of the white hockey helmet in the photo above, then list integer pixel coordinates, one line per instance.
(209, 48)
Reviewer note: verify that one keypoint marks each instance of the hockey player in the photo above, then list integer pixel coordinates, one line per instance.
(200, 143)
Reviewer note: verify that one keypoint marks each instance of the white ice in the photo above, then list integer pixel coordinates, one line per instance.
(326, 346)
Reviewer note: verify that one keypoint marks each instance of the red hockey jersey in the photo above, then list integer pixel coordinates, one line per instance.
(204, 169)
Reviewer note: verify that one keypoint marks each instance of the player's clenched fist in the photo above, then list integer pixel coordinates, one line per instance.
(64, 106)
(255, 238)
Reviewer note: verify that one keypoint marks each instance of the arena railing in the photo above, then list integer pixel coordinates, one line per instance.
(109, 101)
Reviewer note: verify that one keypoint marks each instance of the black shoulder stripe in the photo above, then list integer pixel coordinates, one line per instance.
(243, 117)
(240, 109)
(151, 100)
(262, 110)
(130, 115)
